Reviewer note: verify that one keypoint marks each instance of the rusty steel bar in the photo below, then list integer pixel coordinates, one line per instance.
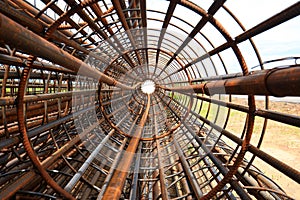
(188, 171)
(144, 26)
(283, 16)
(29, 176)
(278, 82)
(26, 141)
(134, 185)
(52, 122)
(115, 167)
(35, 75)
(36, 26)
(211, 11)
(120, 13)
(224, 171)
(16, 61)
(33, 111)
(33, 24)
(115, 163)
(276, 20)
(166, 22)
(11, 32)
(46, 96)
(162, 178)
(34, 132)
(277, 164)
(115, 186)
(111, 171)
(87, 163)
(102, 33)
(268, 114)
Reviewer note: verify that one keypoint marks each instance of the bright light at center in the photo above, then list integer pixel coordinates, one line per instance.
(148, 87)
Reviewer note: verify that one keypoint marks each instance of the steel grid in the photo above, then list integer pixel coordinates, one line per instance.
(75, 123)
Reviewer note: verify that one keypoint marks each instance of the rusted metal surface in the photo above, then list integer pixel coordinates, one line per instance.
(11, 31)
(76, 121)
(116, 183)
(277, 82)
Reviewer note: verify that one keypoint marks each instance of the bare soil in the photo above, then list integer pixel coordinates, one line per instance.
(281, 141)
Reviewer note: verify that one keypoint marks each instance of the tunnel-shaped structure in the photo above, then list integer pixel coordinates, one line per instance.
(136, 99)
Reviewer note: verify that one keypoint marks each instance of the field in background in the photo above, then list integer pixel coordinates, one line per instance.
(280, 140)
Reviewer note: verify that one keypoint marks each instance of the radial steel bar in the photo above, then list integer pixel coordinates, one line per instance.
(94, 26)
(213, 158)
(89, 160)
(34, 132)
(216, 5)
(16, 61)
(115, 165)
(33, 24)
(210, 78)
(278, 82)
(283, 16)
(112, 168)
(11, 32)
(36, 26)
(144, 25)
(46, 96)
(118, 179)
(162, 178)
(87, 163)
(32, 11)
(7, 192)
(166, 22)
(268, 114)
(277, 164)
(192, 179)
(287, 14)
(134, 185)
(206, 161)
(122, 18)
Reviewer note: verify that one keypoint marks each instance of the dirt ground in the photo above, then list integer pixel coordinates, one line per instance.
(282, 142)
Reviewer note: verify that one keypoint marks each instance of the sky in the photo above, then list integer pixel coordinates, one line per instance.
(280, 41)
